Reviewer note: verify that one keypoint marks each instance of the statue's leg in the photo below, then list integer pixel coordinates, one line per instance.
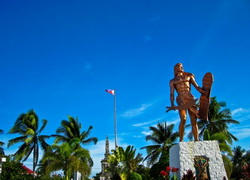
(193, 120)
(183, 118)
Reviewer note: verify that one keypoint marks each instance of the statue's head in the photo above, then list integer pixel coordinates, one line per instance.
(178, 68)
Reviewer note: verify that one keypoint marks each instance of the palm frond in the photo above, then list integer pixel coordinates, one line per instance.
(155, 140)
(44, 123)
(27, 151)
(76, 126)
(90, 140)
(43, 143)
(85, 134)
(1, 151)
(59, 138)
(70, 129)
(16, 140)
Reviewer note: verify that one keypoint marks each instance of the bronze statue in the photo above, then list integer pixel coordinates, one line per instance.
(181, 83)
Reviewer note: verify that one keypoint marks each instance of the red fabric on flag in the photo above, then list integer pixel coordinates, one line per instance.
(111, 91)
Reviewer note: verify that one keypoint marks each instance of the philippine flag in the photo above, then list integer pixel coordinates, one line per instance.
(111, 91)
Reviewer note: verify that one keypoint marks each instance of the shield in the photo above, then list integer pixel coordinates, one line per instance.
(207, 82)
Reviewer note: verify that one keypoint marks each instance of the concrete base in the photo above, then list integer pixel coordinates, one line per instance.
(182, 156)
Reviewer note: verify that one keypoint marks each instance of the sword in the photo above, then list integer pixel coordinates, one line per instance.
(183, 106)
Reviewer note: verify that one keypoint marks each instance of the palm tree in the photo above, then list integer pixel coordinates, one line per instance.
(222, 140)
(1, 144)
(163, 139)
(27, 125)
(71, 129)
(240, 159)
(224, 148)
(218, 120)
(68, 157)
(124, 161)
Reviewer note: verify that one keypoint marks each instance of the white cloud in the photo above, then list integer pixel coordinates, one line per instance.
(141, 124)
(241, 114)
(138, 136)
(146, 132)
(97, 153)
(146, 123)
(136, 111)
(176, 121)
(145, 127)
(123, 134)
(243, 118)
(237, 111)
(242, 132)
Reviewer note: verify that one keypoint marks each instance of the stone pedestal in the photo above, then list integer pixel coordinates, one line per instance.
(183, 156)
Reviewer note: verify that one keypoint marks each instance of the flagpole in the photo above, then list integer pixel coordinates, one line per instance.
(113, 92)
(115, 122)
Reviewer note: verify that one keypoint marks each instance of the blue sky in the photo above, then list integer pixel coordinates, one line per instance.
(58, 57)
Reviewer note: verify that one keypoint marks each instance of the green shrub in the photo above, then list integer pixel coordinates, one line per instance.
(134, 176)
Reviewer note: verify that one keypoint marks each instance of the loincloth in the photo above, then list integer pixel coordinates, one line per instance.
(182, 99)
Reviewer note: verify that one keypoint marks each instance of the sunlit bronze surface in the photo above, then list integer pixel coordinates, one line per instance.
(207, 82)
(181, 83)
